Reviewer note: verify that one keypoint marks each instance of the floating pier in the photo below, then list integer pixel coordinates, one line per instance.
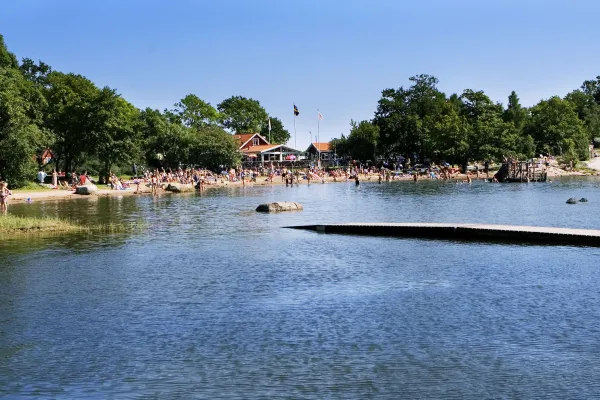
(471, 232)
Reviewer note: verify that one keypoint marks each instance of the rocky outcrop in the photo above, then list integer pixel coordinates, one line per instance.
(86, 189)
(279, 206)
(572, 200)
(180, 187)
(583, 200)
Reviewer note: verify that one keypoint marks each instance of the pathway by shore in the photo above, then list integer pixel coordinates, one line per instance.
(594, 163)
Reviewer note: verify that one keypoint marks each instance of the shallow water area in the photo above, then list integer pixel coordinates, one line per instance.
(214, 300)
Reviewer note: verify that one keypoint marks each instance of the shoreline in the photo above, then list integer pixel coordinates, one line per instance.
(61, 194)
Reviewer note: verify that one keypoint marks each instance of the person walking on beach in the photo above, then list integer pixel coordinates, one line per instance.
(4, 193)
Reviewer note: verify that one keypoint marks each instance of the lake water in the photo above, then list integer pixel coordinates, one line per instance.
(214, 300)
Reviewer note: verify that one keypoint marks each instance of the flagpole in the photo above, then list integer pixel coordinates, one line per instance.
(318, 137)
(295, 139)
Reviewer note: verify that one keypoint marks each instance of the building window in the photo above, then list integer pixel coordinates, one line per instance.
(324, 156)
(255, 141)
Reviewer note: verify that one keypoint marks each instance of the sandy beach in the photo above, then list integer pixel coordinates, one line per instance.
(62, 194)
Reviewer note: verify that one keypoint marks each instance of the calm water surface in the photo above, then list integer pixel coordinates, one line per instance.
(214, 300)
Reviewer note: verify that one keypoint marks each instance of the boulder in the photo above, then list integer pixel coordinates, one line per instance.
(86, 189)
(279, 206)
(583, 200)
(572, 200)
(180, 187)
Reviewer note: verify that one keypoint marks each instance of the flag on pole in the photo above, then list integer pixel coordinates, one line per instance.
(319, 115)
(296, 112)
(269, 124)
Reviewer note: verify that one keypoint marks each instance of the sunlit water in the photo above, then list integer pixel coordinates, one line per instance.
(213, 300)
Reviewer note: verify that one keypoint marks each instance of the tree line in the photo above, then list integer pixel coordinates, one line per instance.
(95, 129)
(423, 123)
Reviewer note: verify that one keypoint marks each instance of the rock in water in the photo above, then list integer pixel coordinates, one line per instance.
(180, 187)
(583, 200)
(279, 206)
(572, 200)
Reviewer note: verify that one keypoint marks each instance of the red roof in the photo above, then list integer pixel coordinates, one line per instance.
(258, 149)
(244, 137)
(321, 146)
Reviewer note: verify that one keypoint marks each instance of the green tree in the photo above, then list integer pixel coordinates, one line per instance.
(557, 130)
(279, 135)
(113, 135)
(592, 88)
(213, 147)
(195, 112)
(406, 117)
(240, 114)
(587, 110)
(339, 146)
(515, 113)
(166, 143)
(490, 137)
(451, 131)
(71, 116)
(7, 59)
(21, 112)
(362, 141)
(171, 144)
(36, 73)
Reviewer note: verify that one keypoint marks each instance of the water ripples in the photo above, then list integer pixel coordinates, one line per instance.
(213, 300)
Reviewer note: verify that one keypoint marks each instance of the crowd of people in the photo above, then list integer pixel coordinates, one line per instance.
(159, 179)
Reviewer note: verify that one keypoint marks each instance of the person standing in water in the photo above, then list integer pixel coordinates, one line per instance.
(356, 180)
(4, 193)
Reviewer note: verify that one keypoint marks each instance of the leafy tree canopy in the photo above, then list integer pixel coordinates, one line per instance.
(195, 112)
(240, 114)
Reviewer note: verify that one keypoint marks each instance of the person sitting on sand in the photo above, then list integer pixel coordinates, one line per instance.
(4, 193)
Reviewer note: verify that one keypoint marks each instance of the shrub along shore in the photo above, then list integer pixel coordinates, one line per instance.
(12, 224)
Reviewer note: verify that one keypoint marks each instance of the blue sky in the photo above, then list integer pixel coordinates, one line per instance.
(336, 56)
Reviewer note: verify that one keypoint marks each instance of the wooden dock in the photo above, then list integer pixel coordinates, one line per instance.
(521, 171)
(471, 232)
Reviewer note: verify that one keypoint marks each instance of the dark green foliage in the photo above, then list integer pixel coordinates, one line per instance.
(242, 115)
(279, 135)
(195, 112)
(421, 121)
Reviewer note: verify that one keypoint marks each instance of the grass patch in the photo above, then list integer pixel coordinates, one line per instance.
(10, 224)
(32, 187)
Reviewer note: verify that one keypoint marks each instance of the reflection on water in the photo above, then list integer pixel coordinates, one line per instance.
(214, 300)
